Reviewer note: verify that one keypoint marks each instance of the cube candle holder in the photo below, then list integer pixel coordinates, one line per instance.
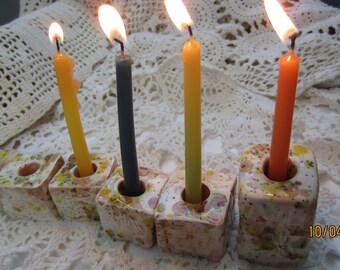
(5, 158)
(196, 229)
(24, 183)
(274, 216)
(75, 196)
(126, 217)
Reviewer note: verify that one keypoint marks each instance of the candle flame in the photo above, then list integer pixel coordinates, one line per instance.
(111, 23)
(178, 13)
(56, 32)
(279, 19)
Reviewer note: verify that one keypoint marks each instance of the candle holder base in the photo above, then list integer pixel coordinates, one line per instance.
(24, 183)
(5, 158)
(74, 196)
(274, 216)
(130, 218)
(196, 229)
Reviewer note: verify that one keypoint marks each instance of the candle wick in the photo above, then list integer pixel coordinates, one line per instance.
(121, 46)
(58, 46)
(293, 38)
(190, 30)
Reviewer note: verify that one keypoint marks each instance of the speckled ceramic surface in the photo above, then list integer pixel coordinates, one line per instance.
(274, 216)
(24, 183)
(130, 218)
(75, 196)
(5, 158)
(196, 229)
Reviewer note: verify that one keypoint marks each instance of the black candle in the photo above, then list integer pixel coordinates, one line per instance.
(126, 125)
(113, 26)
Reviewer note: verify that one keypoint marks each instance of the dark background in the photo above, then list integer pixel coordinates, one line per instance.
(9, 9)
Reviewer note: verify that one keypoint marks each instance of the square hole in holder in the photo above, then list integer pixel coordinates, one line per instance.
(126, 217)
(196, 229)
(24, 183)
(274, 216)
(75, 196)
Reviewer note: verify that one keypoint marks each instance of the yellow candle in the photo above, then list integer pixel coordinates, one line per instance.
(68, 89)
(191, 56)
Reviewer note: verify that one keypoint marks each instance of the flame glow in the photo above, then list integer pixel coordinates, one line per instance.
(111, 23)
(178, 13)
(56, 32)
(279, 19)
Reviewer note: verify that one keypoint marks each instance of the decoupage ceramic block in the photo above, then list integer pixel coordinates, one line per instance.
(5, 157)
(274, 216)
(130, 218)
(196, 229)
(75, 196)
(24, 183)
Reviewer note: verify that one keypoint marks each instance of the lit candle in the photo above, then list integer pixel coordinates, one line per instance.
(284, 108)
(191, 57)
(68, 89)
(113, 27)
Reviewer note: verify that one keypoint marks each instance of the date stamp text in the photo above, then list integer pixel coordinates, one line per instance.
(319, 231)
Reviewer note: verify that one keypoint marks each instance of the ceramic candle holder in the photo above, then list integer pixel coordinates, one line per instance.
(196, 229)
(5, 158)
(24, 183)
(75, 196)
(130, 218)
(274, 216)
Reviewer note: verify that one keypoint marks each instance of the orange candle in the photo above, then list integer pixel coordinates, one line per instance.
(68, 89)
(284, 108)
(283, 117)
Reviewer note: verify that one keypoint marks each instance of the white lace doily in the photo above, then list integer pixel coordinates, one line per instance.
(239, 79)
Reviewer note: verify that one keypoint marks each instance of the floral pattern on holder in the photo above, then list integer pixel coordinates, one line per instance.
(23, 185)
(75, 196)
(274, 216)
(130, 218)
(197, 229)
